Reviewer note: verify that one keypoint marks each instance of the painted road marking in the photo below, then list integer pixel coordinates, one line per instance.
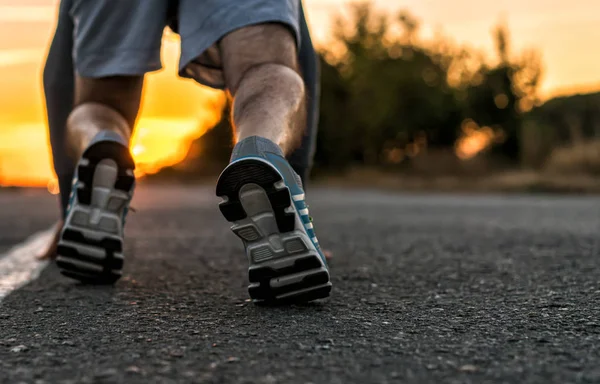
(20, 264)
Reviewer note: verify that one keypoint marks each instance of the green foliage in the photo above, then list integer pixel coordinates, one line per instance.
(387, 95)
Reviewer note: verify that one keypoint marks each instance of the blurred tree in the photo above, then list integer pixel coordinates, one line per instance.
(336, 144)
(395, 94)
(498, 95)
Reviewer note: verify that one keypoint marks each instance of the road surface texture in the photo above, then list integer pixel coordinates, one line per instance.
(427, 289)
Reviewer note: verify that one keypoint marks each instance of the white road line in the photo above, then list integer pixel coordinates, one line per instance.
(20, 265)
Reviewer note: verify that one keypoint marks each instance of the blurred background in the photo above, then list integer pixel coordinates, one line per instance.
(435, 94)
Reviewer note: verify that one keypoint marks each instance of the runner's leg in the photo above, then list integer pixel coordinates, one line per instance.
(112, 52)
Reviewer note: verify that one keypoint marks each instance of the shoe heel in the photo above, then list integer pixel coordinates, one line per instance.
(285, 267)
(90, 247)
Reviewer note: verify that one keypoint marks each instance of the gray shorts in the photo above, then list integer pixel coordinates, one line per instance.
(123, 37)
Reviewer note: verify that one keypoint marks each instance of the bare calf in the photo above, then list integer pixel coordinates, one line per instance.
(261, 72)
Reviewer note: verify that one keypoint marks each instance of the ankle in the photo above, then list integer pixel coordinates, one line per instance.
(89, 120)
(255, 145)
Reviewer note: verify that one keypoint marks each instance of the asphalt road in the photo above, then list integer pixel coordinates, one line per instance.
(427, 289)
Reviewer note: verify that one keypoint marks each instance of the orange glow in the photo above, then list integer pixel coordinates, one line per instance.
(501, 101)
(174, 113)
(475, 139)
(157, 143)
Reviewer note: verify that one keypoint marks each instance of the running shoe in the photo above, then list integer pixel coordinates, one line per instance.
(264, 199)
(90, 248)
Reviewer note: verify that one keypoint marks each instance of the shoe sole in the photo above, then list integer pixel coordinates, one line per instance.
(285, 266)
(90, 248)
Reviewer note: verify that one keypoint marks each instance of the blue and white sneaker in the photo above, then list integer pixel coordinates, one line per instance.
(90, 248)
(264, 199)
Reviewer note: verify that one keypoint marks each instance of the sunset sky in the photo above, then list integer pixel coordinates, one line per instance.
(565, 32)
